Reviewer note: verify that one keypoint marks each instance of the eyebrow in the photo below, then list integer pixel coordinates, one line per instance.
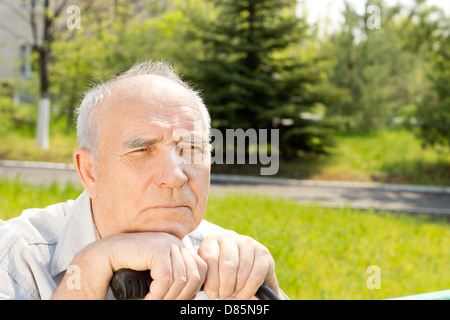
(195, 140)
(141, 142)
(137, 143)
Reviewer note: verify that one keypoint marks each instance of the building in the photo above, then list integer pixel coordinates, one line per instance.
(15, 41)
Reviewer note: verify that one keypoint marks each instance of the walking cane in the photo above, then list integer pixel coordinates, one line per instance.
(131, 284)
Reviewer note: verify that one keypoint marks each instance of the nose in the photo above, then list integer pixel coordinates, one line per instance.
(171, 173)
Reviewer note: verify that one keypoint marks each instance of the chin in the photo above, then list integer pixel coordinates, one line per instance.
(175, 222)
(176, 229)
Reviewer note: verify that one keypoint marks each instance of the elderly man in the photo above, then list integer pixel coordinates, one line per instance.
(142, 208)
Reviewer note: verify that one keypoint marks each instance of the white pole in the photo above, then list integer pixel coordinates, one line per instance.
(43, 124)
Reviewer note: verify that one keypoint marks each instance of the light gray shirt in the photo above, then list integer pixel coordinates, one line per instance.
(37, 247)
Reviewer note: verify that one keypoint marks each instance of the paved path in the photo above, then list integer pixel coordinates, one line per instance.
(389, 197)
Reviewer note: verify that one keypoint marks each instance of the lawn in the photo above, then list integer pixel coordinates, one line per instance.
(394, 156)
(320, 253)
(20, 144)
(324, 253)
(15, 196)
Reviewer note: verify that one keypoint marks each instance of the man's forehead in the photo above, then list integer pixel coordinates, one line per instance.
(151, 97)
(149, 85)
(155, 93)
(161, 124)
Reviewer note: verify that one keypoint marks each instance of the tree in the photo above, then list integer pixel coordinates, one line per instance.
(433, 112)
(345, 73)
(378, 75)
(42, 45)
(115, 35)
(256, 70)
(42, 18)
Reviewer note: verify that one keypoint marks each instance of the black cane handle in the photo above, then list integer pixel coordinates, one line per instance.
(131, 284)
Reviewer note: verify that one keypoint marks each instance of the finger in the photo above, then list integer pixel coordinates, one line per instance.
(228, 265)
(194, 277)
(260, 271)
(180, 277)
(209, 251)
(162, 276)
(246, 258)
(202, 268)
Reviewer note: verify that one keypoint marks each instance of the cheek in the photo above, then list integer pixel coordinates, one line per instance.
(120, 187)
(199, 184)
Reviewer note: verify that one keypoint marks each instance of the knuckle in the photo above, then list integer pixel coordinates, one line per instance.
(180, 281)
(264, 256)
(202, 266)
(166, 280)
(247, 240)
(268, 258)
(195, 277)
(229, 266)
(242, 276)
(210, 258)
(263, 250)
(256, 280)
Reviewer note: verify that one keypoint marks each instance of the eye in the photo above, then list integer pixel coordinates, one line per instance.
(195, 148)
(140, 152)
(191, 150)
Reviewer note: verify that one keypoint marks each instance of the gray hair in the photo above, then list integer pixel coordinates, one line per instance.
(87, 131)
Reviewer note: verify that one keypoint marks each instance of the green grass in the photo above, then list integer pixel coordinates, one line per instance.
(388, 156)
(17, 134)
(19, 146)
(320, 253)
(17, 196)
(19, 143)
(323, 253)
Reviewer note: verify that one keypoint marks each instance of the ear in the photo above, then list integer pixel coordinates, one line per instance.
(85, 166)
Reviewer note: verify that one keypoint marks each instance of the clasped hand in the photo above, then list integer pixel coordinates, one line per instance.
(227, 265)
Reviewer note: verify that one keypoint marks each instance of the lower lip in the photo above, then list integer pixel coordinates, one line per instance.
(180, 207)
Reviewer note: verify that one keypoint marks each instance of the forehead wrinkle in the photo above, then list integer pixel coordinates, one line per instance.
(141, 142)
(168, 104)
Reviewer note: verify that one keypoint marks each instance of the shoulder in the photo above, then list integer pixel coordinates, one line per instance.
(26, 247)
(40, 226)
(15, 256)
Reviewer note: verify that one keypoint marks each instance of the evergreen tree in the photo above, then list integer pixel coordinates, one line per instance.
(256, 70)
(434, 112)
(380, 78)
(427, 31)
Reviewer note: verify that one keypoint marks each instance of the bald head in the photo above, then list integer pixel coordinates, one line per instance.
(145, 83)
(139, 102)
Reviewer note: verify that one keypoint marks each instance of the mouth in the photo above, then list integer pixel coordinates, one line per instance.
(171, 207)
(171, 219)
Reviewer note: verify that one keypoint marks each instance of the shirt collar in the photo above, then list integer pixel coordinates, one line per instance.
(78, 231)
